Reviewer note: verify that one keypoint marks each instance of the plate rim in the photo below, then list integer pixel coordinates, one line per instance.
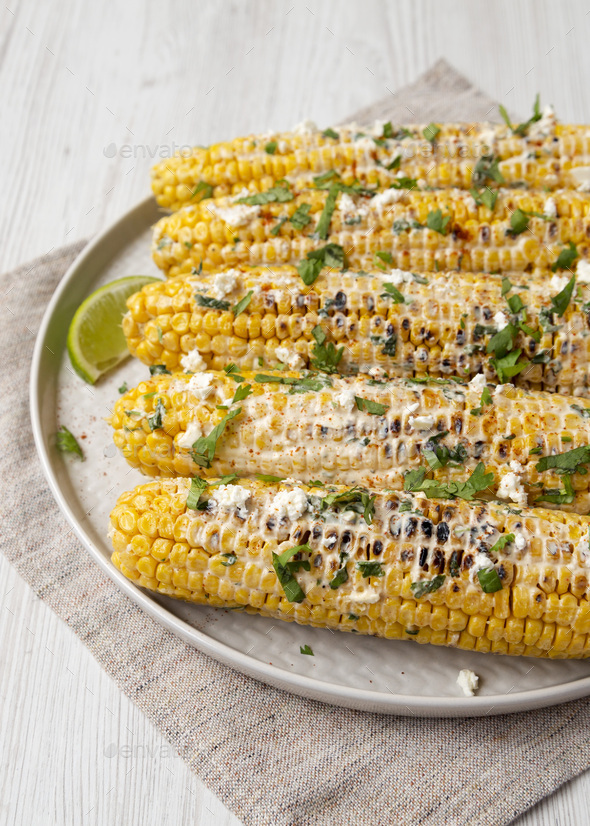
(302, 685)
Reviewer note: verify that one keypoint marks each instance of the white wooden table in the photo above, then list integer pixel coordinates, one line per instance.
(91, 93)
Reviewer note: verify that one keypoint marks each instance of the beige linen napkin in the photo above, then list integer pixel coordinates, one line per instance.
(273, 758)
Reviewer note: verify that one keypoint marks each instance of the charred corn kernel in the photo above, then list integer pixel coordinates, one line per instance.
(379, 594)
(437, 324)
(545, 157)
(410, 229)
(362, 431)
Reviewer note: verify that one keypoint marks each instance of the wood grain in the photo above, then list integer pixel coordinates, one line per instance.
(91, 94)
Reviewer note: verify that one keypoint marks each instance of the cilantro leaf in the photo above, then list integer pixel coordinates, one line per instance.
(325, 357)
(425, 586)
(263, 477)
(559, 497)
(401, 225)
(518, 222)
(522, 128)
(203, 189)
(204, 448)
(565, 258)
(366, 405)
(66, 442)
(489, 580)
(228, 560)
(323, 226)
(356, 499)
(271, 147)
(479, 480)
(486, 398)
(279, 193)
(242, 303)
(371, 568)
(155, 422)
(300, 218)
(340, 577)
(430, 132)
(305, 649)
(508, 366)
(212, 303)
(277, 227)
(437, 222)
(159, 369)
(504, 540)
(569, 462)
(390, 345)
(330, 133)
(280, 563)
(584, 412)
(382, 255)
(197, 488)
(332, 255)
(391, 291)
(485, 196)
(503, 341)
(486, 169)
(560, 302)
(243, 391)
(123, 388)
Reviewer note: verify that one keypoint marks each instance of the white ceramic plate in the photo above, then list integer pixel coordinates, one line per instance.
(347, 670)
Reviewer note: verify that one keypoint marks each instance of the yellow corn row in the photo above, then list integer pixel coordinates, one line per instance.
(552, 156)
(353, 430)
(409, 229)
(430, 571)
(442, 325)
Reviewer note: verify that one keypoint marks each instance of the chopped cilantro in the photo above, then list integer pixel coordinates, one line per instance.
(155, 421)
(123, 388)
(569, 462)
(584, 412)
(279, 193)
(431, 131)
(368, 406)
(368, 569)
(522, 128)
(242, 303)
(66, 442)
(305, 649)
(300, 218)
(242, 392)
(204, 448)
(437, 221)
(263, 477)
(284, 571)
(485, 196)
(325, 357)
(565, 258)
(489, 580)
(271, 147)
(486, 169)
(340, 577)
(323, 226)
(414, 480)
(159, 369)
(356, 499)
(203, 189)
(425, 586)
(486, 398)
(382, 256)
(559, 497)
(504, 540)
(508, 366)
(518, 222)
(332, 255)
(197, 488)
(390, 345)
(401, 225)
(560, 302)
(212, 303)
(229, 559)
(391, 291)
(277, 227)
(330, 133)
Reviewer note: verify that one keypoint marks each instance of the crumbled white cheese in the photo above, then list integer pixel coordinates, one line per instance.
(468, 681)
(190, 436)
(511, 486)
(346, 399)
(193, 362)
(226, 282)
(291, 503)
(583, 271)
(235, 216)
(544, 127)
(200, 385)
(558, 282)
(478, 383)
(411, 408)
(349, 208)
(365, 144)
(520, 542)
(500, 320)
(398, 277)
(500, 388)
(581, 176)
(306, 127)
(288, 357)
(232, 496)
(550, 208)
(386, 198)
(422, 422)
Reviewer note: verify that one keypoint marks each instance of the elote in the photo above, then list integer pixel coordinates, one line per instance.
(356, 430)
(403, 226)
(537, 154)
(394, 565)
(533, 331)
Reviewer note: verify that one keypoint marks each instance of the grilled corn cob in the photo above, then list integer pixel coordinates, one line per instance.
(550, 155)
(358, 431)
(472, 576)
(440, 325)
(442, 229)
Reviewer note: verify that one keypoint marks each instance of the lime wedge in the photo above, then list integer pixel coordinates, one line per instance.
(95, 339)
